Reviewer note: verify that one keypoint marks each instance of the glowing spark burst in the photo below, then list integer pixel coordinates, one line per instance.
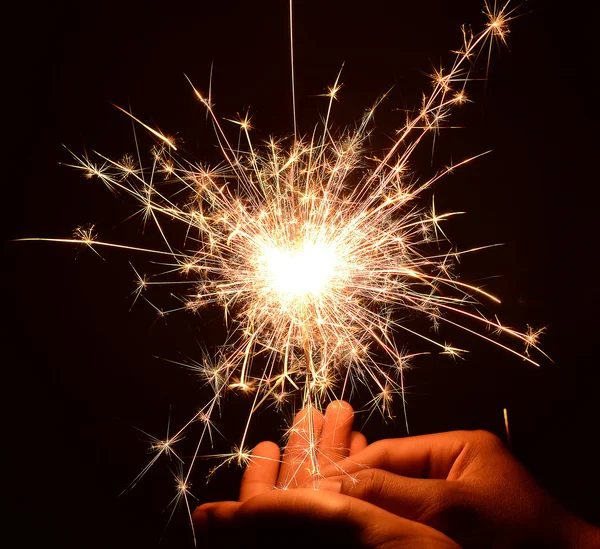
(309, 245)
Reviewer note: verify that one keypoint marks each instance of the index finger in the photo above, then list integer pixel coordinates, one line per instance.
(334, 443)
(300, 454)
(427, 456)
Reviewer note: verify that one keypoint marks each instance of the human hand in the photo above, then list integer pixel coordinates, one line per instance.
(270, 514)
(464, 484)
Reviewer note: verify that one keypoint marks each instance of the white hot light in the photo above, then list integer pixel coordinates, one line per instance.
(298, 273)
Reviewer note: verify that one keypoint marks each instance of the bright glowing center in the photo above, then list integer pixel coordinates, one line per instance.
(297, 273)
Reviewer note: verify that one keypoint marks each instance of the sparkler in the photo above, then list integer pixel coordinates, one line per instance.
(309, 245)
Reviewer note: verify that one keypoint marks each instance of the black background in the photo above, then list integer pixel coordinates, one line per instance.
(80, 370)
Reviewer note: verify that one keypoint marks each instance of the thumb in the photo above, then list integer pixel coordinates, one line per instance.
(441, 504)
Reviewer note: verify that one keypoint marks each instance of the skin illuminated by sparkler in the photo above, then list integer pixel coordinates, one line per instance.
(309, 245)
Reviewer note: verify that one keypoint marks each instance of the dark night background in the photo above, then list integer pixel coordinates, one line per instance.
(80, 371)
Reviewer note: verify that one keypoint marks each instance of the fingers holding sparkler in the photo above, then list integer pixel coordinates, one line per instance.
(336, 439)
(300, 459)
(315, 440)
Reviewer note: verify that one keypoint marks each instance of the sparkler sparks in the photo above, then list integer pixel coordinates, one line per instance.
(310, 246)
